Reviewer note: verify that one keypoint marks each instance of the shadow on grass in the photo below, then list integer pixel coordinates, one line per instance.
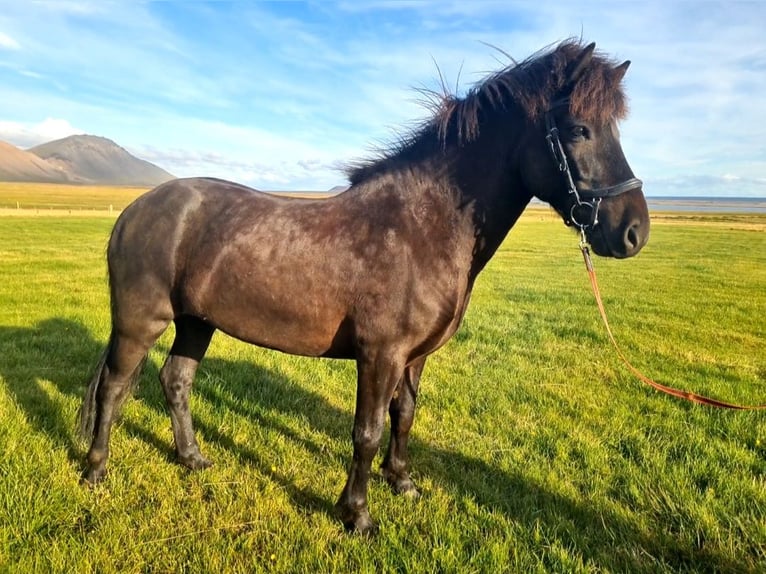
(56, 350)
(63, 352)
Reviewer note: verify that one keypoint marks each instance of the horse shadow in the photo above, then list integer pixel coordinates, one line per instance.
(45, 368)
(62, 353)
(42, 368)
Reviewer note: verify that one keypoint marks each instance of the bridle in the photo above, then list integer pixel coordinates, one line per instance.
(585, 200)
(591, 199)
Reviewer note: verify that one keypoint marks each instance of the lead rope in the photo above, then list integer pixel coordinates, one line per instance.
(695, 398)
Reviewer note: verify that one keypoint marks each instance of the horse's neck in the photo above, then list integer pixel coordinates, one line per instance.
(498, 197)
(480, 192)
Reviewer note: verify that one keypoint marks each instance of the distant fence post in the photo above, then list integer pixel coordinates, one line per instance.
(110, 209)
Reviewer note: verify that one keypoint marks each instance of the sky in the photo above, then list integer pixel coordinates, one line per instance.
(280, 95)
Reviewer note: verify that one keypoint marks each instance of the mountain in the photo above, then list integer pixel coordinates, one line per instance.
(20, 165)
(93, 159)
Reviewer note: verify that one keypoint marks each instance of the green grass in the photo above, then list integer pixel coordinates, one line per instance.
(534, 449)
(57, 196)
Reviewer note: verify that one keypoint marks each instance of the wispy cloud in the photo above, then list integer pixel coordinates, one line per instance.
(302, 174)
(29, 135)
(8, 43)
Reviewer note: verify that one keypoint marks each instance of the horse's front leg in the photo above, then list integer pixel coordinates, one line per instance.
(377, 378)
(402, 412)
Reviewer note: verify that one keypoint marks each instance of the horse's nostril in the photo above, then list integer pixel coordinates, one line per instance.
(632, 237)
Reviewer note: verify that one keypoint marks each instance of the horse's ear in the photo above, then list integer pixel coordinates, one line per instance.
(619, 71)
(577, 67)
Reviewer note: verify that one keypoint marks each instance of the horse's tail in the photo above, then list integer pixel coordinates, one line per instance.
(87, 416)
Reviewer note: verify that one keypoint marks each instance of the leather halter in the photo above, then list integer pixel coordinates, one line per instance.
(589, 199)
(678, 393)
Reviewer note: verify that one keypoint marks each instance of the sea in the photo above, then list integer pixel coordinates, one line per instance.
(700, 204)
(708, 204)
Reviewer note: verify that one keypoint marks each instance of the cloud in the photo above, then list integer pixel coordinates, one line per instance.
(7, 42)
(287, 174)
(29, 135)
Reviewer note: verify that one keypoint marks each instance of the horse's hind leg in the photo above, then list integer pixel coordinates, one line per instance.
(177, 375)
(121, 367)
(402, 413)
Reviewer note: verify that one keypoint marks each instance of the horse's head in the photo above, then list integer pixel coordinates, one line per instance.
(576, 164)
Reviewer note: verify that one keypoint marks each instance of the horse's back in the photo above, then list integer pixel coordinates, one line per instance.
(179, 197)
(165, 215)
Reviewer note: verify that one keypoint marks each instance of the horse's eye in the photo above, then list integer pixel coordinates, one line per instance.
(578, 132)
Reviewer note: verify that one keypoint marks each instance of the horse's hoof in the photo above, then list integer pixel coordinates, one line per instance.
(92, 476)
(401, 485)
(405, 488)
(195, 461)
(363, 525)
(358, 522)
(408, 491)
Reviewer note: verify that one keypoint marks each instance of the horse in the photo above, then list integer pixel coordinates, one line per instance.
(381, 273)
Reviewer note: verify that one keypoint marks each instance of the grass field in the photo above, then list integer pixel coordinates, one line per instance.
(62, 197)
(534, 449)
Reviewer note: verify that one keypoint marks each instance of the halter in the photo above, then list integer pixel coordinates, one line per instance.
(589, 199)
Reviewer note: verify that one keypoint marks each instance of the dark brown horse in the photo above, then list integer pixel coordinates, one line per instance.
(381, 274)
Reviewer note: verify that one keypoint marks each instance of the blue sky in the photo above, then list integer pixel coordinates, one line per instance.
(277, 95)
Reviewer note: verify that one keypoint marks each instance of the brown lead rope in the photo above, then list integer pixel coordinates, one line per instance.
(665, 389)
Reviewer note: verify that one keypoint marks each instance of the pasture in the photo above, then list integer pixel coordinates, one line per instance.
(54, 198)
(535, 450)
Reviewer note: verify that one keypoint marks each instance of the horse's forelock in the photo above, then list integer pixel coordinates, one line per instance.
(599, 96)
(533, 85)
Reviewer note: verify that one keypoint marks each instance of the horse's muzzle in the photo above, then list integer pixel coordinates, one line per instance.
(620, 243)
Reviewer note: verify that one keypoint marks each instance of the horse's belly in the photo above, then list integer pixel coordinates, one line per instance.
(295, 325)
(292, 338)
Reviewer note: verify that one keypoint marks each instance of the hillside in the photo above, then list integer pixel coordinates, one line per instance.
(94, 159)
(79, 159)
(20, 165)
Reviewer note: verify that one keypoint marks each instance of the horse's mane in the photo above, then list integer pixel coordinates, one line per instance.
(530, 86)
